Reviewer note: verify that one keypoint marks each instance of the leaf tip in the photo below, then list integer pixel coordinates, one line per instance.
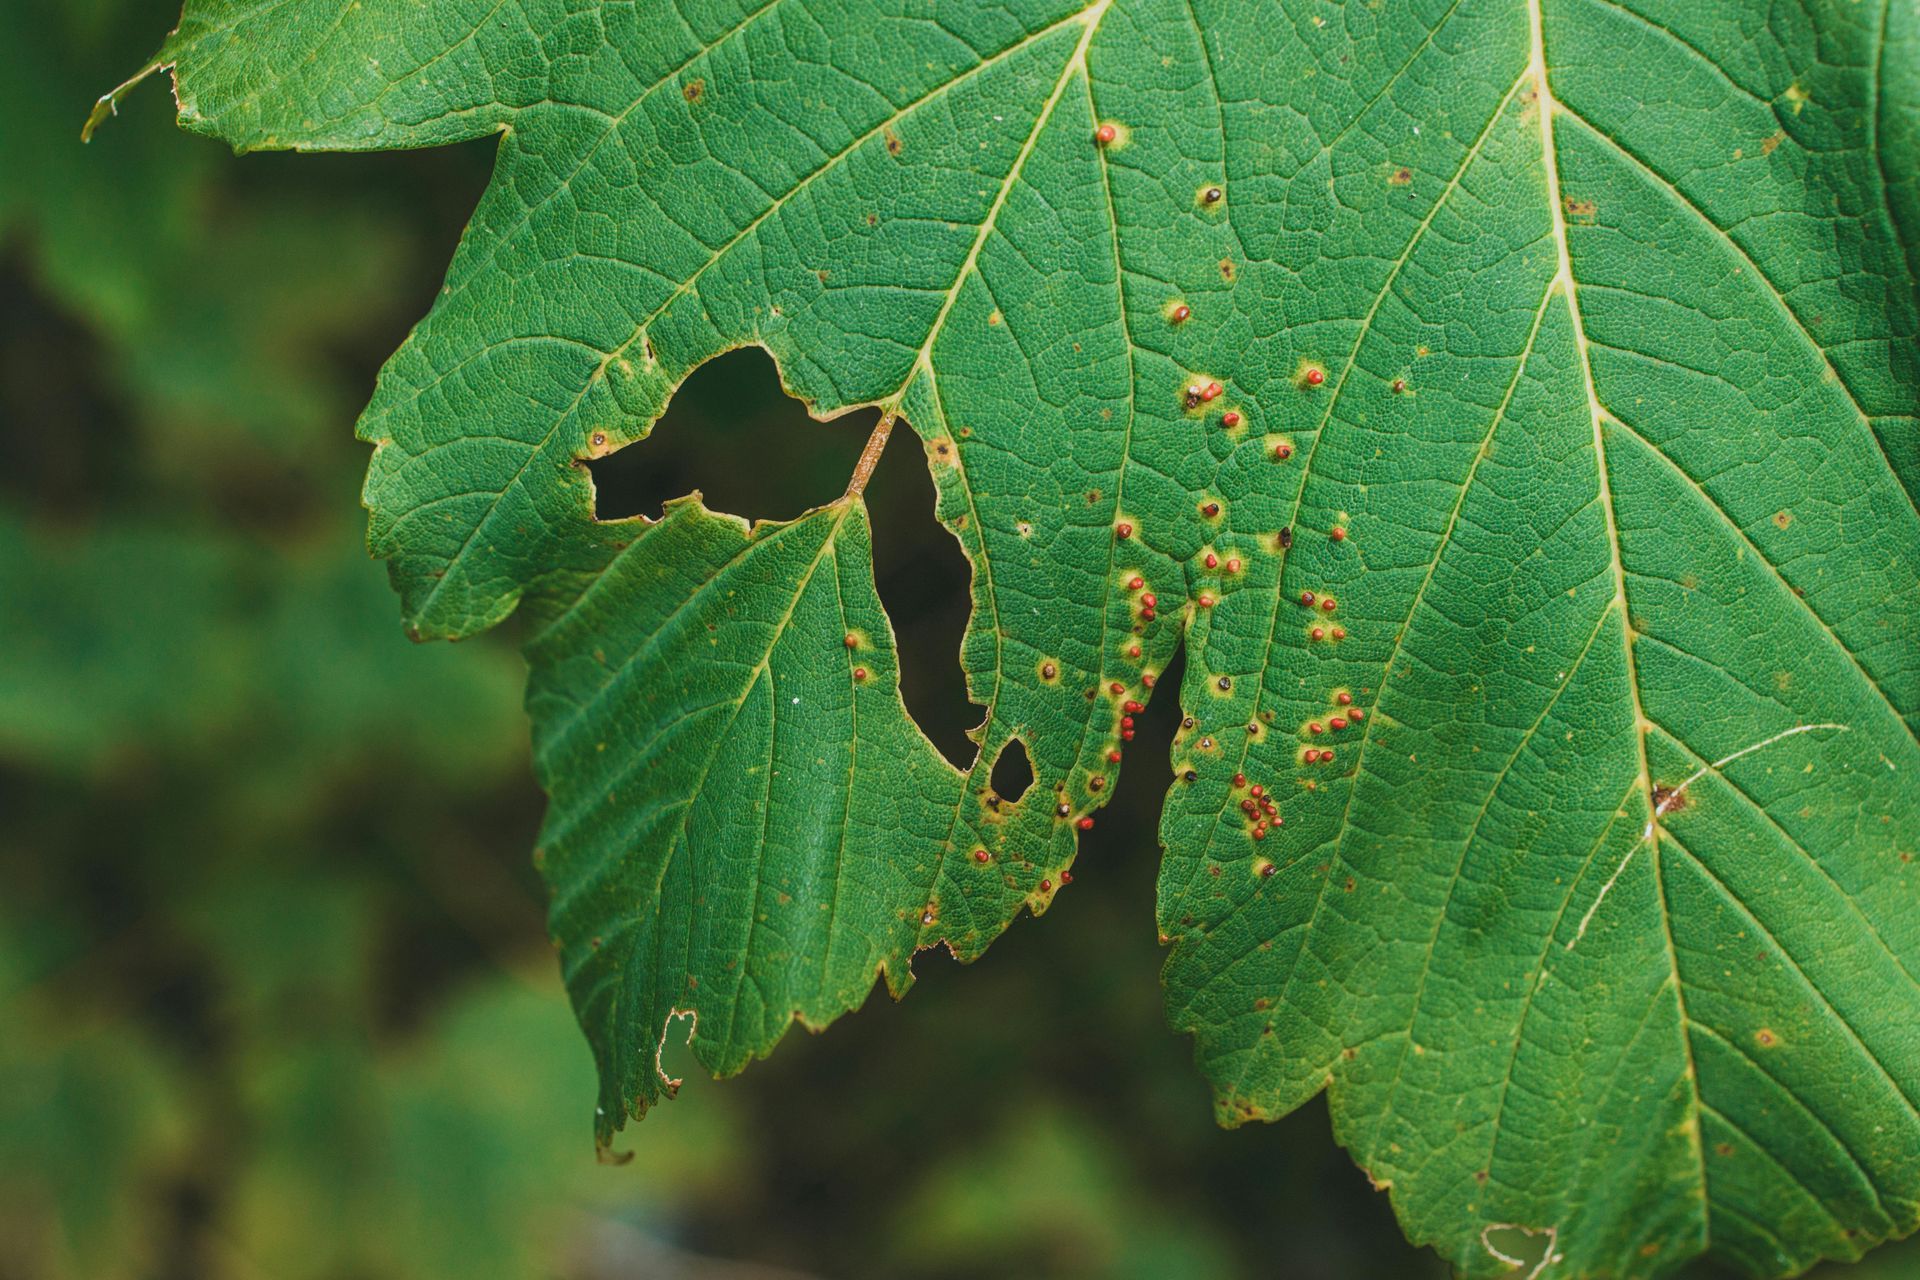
(107, 105)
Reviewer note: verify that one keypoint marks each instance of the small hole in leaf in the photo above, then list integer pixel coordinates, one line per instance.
(1527, 1250)
(1012, 770)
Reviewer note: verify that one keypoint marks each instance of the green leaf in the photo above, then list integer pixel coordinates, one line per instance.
(1548, 554)
(718, 721)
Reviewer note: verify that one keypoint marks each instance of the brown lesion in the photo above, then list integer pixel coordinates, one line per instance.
(1668, 799)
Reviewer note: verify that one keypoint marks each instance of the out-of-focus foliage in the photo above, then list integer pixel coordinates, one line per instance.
(207, 724)
(275, 999)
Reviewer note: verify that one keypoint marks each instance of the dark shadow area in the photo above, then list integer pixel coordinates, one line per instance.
(752, 450)
(52, 394)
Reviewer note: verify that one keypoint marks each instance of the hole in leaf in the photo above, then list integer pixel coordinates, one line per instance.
(732, 433)
(1012, 770)
(752, 450)
(924, 582)
(1527, 1250)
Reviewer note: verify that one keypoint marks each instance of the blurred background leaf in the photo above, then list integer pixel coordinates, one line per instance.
(276, 995)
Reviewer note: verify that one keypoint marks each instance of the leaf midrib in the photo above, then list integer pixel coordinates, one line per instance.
(1546, 106)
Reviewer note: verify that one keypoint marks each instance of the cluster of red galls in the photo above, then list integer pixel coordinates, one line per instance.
(1258, 807)
(1345, 714)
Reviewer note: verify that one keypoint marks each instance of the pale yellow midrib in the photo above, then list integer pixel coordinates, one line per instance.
(1564, 279)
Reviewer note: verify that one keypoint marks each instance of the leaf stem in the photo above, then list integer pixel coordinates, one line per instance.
(870, 455)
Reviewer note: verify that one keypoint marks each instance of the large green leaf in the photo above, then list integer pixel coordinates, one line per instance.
(1511, 407)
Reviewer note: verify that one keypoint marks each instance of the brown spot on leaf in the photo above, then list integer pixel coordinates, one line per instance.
(693, 90)
(1581, 211)
(1668, 800)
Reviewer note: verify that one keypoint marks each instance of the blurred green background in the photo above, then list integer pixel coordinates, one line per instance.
(275, 996)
